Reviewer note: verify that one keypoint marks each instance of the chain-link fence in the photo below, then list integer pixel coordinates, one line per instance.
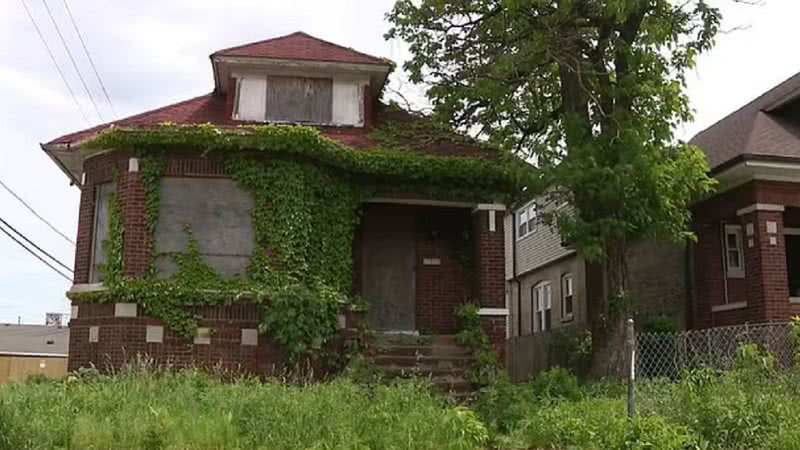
(666, 355)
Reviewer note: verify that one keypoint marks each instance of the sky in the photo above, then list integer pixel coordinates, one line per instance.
(152, 53)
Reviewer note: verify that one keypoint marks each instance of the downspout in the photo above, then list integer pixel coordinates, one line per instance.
(514, 276)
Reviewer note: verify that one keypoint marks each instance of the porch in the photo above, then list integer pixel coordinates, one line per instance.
(747, 258)
(416, 261)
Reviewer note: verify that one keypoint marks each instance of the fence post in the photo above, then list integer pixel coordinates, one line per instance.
(630, 357)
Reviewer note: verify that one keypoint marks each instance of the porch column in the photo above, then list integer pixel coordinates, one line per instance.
(488, 232)
(765, 261)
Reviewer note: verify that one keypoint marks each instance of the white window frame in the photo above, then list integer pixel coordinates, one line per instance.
(733, 272)
(528, 217)
(567, 291)
(542, 298)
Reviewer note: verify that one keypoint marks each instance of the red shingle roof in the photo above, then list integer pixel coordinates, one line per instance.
(212, 108)
(758, 129)
(301, 46)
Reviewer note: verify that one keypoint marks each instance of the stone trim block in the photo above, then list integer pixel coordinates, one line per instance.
(154, 334)
(125, 309)
(250, 337)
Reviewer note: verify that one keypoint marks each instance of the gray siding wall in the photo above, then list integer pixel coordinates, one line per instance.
(551, 273)
(536, 249)
(219, 214)
(657, 274)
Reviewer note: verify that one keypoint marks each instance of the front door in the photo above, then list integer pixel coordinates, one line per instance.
(388, 262)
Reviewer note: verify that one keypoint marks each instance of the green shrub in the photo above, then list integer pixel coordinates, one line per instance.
(502, 404)
(557, 383)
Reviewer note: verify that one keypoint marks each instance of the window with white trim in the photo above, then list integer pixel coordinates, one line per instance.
(298, 99)
(542, 306)
(527, 220)
(567, 297)
(734, 252)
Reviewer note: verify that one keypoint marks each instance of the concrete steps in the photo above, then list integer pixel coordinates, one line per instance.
(437, 358)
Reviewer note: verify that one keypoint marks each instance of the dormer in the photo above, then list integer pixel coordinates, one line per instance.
(299, 79)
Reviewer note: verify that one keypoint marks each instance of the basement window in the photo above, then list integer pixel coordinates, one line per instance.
(734, 253)
(542, 306)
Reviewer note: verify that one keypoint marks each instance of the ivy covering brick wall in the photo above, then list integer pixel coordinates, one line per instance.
(307, 192)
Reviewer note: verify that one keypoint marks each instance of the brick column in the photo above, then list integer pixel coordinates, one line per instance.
(131, 195)
(765, 264)
(488, 232)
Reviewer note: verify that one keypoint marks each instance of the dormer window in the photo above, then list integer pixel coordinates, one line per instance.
(290, 99)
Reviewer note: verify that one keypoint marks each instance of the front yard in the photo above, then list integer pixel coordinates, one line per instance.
(753, 406)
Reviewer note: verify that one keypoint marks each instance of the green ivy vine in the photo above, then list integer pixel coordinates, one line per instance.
(484, 367)
(151, 170)
(498, 178)
(307, 193)
(112, 267)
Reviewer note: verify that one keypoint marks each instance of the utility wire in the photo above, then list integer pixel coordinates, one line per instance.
(89, 56)
(53, 58)
(34, 254)
(35, 213)
(34, 245)
(72, 59)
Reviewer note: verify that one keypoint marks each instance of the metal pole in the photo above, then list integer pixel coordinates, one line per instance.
(630, 357)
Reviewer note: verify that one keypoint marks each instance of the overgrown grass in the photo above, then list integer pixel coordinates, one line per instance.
(753, 406)
(190, 410)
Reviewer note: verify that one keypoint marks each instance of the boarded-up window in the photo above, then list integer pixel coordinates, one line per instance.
(103, 193)
(295, 99)
(219, 214)
(252, 99)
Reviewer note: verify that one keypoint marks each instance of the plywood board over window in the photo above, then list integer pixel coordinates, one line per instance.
(296, 99)
(103, 193)
(219, 214)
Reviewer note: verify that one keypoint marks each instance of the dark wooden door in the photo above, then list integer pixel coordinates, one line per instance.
(388, 262)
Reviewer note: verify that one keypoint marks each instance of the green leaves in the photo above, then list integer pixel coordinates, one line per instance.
(489, 179)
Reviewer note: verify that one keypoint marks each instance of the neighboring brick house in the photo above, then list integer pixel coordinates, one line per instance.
(745, 265)
(402, 263)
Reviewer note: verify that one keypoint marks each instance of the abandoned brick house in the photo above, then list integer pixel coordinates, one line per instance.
(745, 265)
(402, 261)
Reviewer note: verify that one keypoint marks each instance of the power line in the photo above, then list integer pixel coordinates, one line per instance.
(89, 56)
(53, 58)
(35, 213)
(34, 245)
(34, 254)
(72, 59)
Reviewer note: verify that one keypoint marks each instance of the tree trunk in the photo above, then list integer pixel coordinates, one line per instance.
(608, 312)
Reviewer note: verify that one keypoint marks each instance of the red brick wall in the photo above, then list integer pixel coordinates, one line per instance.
(495, 329)
(764, 287)
(122, 339)
(441, 289)
(136, 240)
(490, 260)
